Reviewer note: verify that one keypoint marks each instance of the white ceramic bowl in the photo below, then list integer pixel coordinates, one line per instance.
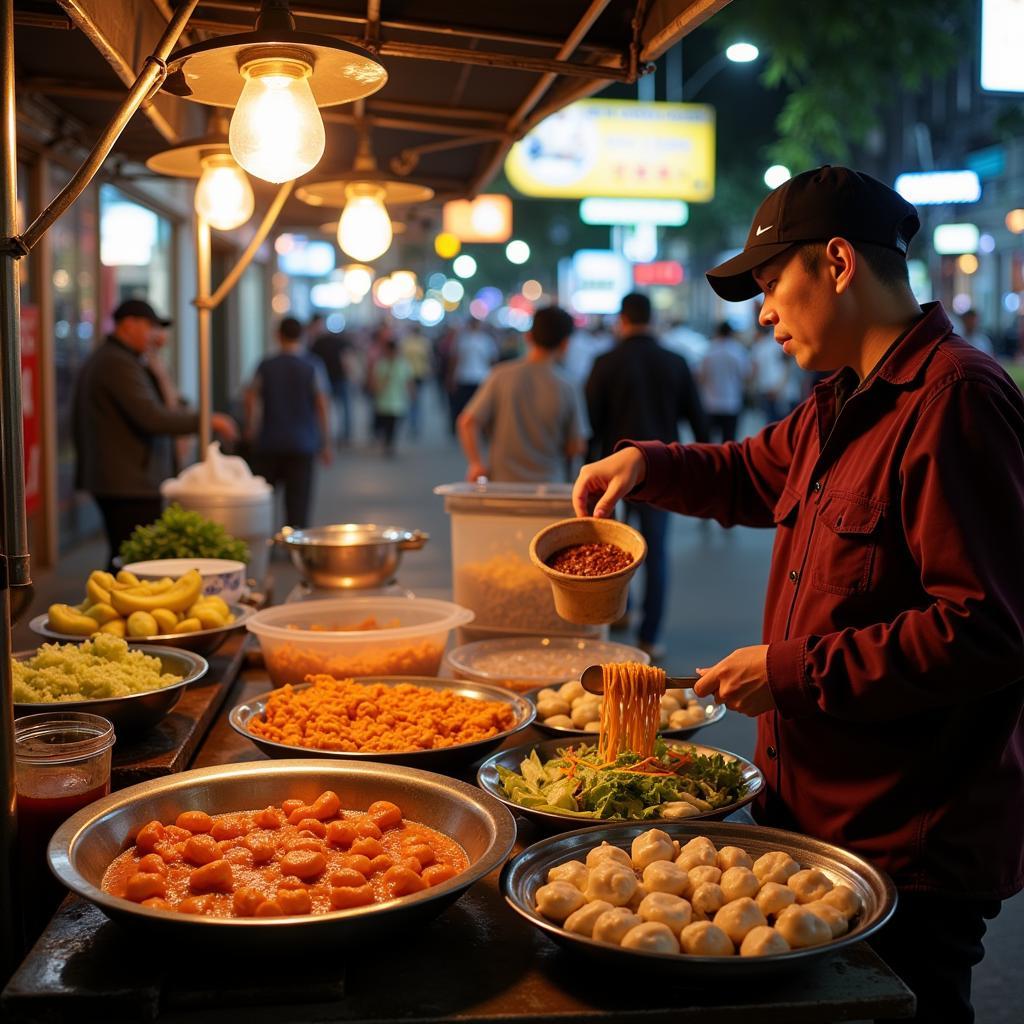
(221, 576)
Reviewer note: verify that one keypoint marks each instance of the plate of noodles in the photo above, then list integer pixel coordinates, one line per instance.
(627, 772)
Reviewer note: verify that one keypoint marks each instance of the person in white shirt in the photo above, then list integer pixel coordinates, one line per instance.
(723, 375)
(770, 371)
(475, 351)
(972, 335)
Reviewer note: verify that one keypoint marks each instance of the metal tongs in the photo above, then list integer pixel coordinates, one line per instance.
(593, 680)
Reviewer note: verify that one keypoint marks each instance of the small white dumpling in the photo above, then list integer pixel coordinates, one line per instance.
(664, 876)
(833, 917)
(550, 706)
(613, 924)
(687, 717)
(809, 885)
(574, 872)
(668, 909)
(650, 846)
(592, 727)
(702, 938)
(559, 722)
(611, 881)
(585, 711)
(670, 703)
(738, 917)
(606, 850)
(733, 857)
(774, 898)
(675, 810)
(571, 690)
(707, 900)
(547, 694)
(738, 882)
(800, 928)
(762, 941)
(651, 937)
(775, 867)
(637, 898)
(845, 900)
(696, 852)
(704, 873)
(557, 900)
(581, 922)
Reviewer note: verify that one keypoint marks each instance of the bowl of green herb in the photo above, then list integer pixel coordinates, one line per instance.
(560, 786)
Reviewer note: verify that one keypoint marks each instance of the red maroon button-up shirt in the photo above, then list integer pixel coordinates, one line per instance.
(894, 614)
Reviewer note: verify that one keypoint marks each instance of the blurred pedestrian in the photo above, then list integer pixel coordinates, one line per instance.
(417, 351)
(473, 354)
(527, 411)
(288, 398)
(723, 377)
(333, 349)
(770, 371)
(973, 334)
(392, 384)
(124, 426)
(640, 391)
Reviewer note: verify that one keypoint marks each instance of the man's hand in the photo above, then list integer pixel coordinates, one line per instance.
(224, 425)
(607, 481)
(739, 681)
(475, 471)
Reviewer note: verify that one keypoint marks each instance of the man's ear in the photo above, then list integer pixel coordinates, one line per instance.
(841, 260)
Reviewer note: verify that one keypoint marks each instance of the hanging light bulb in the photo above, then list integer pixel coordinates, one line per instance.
(364, 230)
(276, 132)
(224, 196)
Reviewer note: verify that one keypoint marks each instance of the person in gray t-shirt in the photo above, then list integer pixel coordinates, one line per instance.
(527, 411)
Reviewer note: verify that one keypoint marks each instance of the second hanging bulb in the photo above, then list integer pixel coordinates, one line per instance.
(224, 196)
(364, 230)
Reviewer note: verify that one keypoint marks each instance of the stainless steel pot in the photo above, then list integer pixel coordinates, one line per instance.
(350, 556)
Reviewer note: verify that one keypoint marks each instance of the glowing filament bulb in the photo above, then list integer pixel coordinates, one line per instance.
(224, 196)
(364, 230)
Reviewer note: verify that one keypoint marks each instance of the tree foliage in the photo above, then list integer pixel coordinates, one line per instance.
(841, 63)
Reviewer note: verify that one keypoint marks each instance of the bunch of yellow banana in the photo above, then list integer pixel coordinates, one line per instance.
(127, 607)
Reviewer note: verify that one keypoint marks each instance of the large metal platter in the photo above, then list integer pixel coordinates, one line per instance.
(487, 778)
(712, 713)
(84, 846)
(526, 873)
(203, 641)
(446, 758)
(137, 712)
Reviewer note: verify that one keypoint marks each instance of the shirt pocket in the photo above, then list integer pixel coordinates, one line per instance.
(784, 513)
(849, 529)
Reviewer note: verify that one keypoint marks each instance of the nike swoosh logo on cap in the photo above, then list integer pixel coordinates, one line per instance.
(761, 231)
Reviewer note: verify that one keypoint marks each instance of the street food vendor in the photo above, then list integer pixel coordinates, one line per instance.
(890, 685)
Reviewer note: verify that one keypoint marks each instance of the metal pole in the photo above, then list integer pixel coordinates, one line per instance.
(14, 503)
(203, 278)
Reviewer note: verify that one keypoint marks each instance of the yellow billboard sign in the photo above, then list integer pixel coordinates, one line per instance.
(620, 148)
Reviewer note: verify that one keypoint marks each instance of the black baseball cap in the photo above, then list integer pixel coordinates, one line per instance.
(813, 207)
(139, 307)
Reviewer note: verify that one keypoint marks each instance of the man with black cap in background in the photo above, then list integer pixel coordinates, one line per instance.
(889, 687)
(123, 428)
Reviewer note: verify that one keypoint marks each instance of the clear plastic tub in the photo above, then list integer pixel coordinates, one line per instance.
(535, 661)
(492, 526)
(356, 636)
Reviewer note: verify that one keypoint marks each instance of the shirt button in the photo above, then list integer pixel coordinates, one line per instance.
(772, 753)
(817, 485)
(794, 576)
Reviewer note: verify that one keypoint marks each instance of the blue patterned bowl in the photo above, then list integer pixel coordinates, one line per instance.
(221, 577)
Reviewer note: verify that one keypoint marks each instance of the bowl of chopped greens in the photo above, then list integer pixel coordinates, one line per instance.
(561, 785)
(134, 687)
(179, 533)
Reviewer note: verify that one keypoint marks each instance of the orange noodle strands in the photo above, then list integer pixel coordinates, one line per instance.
(631, 709)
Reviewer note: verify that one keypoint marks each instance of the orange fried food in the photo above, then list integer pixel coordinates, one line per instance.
(342, 714)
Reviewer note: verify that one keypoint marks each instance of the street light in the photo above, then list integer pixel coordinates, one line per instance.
(742, 53)
(776, 175)
(737, 53)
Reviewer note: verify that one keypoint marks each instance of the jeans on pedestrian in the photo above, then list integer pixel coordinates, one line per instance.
(932, 942)
(122, 515)
(653, 525)
(722, 426)
(343, 405)
(414, 407)
(292, 473)
(459, 399)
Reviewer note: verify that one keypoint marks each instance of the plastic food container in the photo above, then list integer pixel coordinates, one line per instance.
(534, 661)
(492, 526)
(356, 636)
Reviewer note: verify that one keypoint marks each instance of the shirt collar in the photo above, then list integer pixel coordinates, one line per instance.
(904, 361)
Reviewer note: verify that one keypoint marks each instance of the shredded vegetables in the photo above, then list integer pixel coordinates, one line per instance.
(673, 782)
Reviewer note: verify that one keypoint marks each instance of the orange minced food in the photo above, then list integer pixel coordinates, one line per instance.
(342, 714)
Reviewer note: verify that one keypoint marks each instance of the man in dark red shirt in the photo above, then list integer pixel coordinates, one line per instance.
(889, 689)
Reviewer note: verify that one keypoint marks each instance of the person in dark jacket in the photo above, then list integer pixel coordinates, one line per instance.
(123, 428)
(889, 686)
(640, 390)
(291, 391)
